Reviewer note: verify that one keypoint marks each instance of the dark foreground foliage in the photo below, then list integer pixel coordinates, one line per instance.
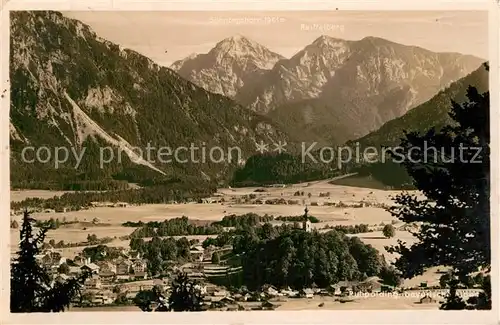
(455, 215)
(31, 287)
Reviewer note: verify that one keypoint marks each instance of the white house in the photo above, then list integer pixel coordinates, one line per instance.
(309, 293)
(139, 267)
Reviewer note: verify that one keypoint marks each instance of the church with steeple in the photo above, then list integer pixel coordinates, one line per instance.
(306, 223)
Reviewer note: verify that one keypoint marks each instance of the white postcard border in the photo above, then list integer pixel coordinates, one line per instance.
(258, 317)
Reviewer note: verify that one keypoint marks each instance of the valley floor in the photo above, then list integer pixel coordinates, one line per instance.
(111, 219)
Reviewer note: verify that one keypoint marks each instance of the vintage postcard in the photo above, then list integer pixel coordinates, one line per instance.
(248, 165)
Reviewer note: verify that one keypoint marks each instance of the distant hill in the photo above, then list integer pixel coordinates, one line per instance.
(433, 113)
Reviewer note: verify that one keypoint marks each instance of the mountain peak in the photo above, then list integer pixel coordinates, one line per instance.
(322, 39)
(326, 40)
(238, 44)
(376, 40)
(237, 38)
(232, 63)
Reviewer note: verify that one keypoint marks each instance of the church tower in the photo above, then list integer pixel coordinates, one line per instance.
(306, 224)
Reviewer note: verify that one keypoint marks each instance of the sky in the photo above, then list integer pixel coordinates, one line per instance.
(169, 36)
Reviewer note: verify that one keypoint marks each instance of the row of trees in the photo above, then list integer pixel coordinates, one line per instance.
(356, 229)
(312, 219)
(171, 191)
(161, 254)
(246, 220)
(53, 223)
(183, 227)
(91, 240)
(175, 227)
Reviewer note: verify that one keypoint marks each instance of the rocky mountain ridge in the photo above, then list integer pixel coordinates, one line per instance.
(225, 69)
(353, 86)
(73, 89)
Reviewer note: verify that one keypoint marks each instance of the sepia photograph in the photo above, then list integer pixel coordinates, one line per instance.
(248, 161)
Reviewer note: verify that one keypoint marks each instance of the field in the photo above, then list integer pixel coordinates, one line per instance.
(16, 196)
(112, 218)
(328, 215)
(361, 181)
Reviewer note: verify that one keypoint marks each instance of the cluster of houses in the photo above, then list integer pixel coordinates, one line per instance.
(109, 204)
(270, 296)
(14, 212)
(131, 267)
(127, 270)
(321, 202)
(130, 271)
(104, 274)
(17, 212)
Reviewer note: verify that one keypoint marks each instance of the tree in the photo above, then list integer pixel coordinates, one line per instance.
(63, 268)
(117, 289)
(14, 224)
(92, 239)
(186, 294)
(389, 231)
(455, 213)
(208, 242)
(121, 298)
(30, 284)
(445, 279)
(215, 258)
(390, 276)
(144, 299)
(452, 300)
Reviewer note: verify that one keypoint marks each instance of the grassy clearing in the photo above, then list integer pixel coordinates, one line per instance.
(361, 181)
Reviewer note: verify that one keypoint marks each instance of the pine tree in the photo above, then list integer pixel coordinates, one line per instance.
(452, 300)
(455, 215)
(31, 289)
(186, 295)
